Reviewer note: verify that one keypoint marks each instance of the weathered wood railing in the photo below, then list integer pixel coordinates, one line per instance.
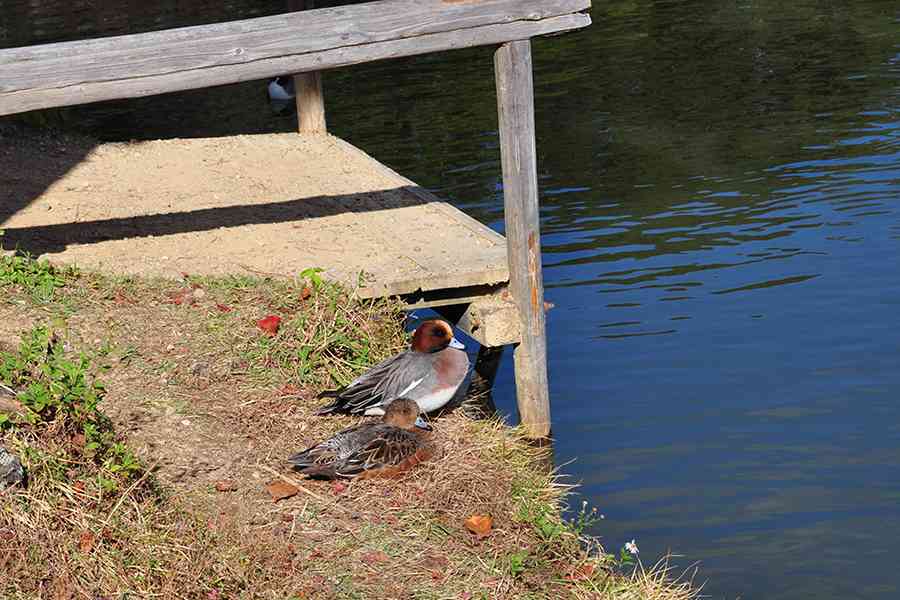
(129, 66)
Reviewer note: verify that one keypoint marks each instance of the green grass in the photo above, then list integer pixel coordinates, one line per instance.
(61, 393)
(96, 522)
(38, 278)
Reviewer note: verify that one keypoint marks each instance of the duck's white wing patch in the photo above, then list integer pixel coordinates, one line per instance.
(410, 387)
(378, 409)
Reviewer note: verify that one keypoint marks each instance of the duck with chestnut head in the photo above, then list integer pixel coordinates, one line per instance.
(429, 373)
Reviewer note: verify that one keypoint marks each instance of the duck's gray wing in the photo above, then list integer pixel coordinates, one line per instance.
(391, 447)
(333, 450)
(384, 382)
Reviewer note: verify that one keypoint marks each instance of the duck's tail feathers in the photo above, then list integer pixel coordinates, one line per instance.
(318, 472)
(301, 460)
(334, 407)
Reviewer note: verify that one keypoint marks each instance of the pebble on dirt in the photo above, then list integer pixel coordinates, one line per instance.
(11, 470)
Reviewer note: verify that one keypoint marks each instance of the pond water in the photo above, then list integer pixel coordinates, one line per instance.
(720, 187)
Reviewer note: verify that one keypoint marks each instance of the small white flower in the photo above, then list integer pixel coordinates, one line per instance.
(632, 547)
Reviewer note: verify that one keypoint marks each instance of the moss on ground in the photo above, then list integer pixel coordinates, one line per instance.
(153, 483)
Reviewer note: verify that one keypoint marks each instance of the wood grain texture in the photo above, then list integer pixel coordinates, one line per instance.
(310, 100)
(310, 103)
(177, 59)
(515, 101)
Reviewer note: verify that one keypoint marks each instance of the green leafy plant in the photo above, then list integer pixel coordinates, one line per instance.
(515, 562)
(60, 391)
(39, 278)
(312, 277)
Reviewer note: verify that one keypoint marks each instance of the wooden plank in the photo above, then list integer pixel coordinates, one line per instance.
(515, 101)
(477, 227)
(309, 98)
(263, 204)
(165, 61)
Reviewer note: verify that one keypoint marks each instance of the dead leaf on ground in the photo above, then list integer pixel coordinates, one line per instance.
(289, 389)
(435, 563)
(270, 324)
(180, 297)
(338, 488)
(86, 541)
(377, 556)
(226, 485)
(78, 440)
(223, 308)
(305, 293)
(281, 490)
(582, 572)
(480, 525)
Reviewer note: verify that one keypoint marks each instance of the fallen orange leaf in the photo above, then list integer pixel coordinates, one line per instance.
(281, 490)
(585, 571)
(86, 541)
(480, 525)
(270, 324)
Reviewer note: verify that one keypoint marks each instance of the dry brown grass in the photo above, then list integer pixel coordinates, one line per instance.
(203, 396)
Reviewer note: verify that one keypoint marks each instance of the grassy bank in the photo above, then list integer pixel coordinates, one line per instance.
(154, 417)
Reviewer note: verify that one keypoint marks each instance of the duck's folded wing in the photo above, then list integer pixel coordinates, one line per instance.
(333, 450)
(390, 448)
(385, 381)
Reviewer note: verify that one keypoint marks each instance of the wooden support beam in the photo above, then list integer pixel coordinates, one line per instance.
(157, 62)
(310, 103)
(515, 101)
(308, 88)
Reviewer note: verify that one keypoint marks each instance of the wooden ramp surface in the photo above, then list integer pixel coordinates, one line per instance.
(261, 204)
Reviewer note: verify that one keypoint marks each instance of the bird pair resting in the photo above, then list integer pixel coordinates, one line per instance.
(421, 379)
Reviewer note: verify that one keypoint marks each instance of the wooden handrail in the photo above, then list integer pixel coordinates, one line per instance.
(145, 64)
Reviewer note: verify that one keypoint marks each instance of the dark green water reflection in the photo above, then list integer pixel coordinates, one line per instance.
(720, 189)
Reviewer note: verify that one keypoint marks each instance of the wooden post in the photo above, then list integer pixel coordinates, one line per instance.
(515, 102)
(308, 89)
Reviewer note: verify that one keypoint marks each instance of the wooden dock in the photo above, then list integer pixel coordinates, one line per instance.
(256, 204)
(276, 204)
